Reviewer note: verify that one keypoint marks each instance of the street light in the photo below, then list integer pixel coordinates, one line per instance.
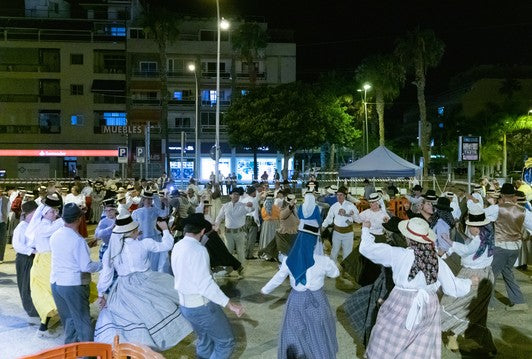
(366, 87)
(192, 68)
(221, 24)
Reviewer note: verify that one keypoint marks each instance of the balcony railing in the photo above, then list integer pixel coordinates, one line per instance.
(184, 101)
(212, 74)
(109, 70)
(50, 98)
(213, 103)
(146, 74)
(212, 128)
(19, 129)
(260, 75)
(109, 99)
(146, 102)
(29, 68)
(19, 98)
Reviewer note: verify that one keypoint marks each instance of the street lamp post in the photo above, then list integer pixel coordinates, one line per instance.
(221, 24)
(366, 87)
(192, 68)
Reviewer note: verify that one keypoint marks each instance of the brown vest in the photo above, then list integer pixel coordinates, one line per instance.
(509, 223)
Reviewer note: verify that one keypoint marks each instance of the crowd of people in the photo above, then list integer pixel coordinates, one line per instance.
(161, 251)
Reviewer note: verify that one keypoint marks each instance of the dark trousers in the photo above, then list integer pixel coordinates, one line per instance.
(3, 239)
(503, 263)
(251, 230)
(23, 265)
(73, 307)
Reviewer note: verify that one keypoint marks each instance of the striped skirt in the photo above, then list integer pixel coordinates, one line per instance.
(457, 314)
(390, 338)
(267, 232)
(143, 307)
(309, 327)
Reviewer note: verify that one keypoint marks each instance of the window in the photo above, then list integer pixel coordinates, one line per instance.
(148, 66)
(116, 31)
(137, 34)
(181, 95)
(77, 120)
(114, 119)
(76, 59)
(245, 67)
(50, 121)
(49, 90)
(76, 90)
(211, 35)
(176, 65)
(441, 110)
(209, 97)
(208, 119)
(183, 122)
(243, 92)
(178, 95)
(211, 66)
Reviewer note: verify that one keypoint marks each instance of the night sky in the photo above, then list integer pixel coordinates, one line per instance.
(338, 34)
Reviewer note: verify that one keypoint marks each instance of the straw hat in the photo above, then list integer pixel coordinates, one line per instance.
(125, 224)
(418, 230)
(374, 197)
(477, 217)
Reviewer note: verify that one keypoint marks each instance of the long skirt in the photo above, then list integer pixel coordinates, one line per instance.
(23, 264)
(41, 291)
(391, 339)
(143, 307)
(525, 253)
(309, 327)
(282, 243)
(468, 314)
(96, 211)
(267, 232)
(218, 252)
(363, 271)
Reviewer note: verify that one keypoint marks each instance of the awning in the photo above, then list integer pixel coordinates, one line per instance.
(145, 85)
(109, 86)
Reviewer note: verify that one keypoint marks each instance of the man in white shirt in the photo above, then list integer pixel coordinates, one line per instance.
(70, 276)
(25, 255)
(234, 214)
(342, 214)
(200, 298)
(252, 220)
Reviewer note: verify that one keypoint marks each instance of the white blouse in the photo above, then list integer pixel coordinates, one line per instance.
(323, 266)
(468, 250)
(376, 218)
(133, 257)
(44, 232)
(401, 260)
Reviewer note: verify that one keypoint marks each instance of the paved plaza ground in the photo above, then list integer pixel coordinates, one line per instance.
(257, 331)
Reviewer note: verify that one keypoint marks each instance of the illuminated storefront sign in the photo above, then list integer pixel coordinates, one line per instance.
(131, 130)
(58, 153)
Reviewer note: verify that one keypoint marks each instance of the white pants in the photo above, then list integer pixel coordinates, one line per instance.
(344, 241)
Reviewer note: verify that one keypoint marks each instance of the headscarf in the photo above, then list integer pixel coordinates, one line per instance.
(301, 257)
(268, 205)
(36, 221)
(487, 240)
(426, 261)
(309, 203)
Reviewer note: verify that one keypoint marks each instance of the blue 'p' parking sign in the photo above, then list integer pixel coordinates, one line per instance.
(122, 154)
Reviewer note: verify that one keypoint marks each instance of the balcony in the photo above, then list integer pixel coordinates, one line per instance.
(29, 68)
(50, 98)
(19, 129)
(145, 74)
(212, 74)
(146, 102)
(19, 98)
(109, 99)
(184, 101)
(110, 70)
(245, 75)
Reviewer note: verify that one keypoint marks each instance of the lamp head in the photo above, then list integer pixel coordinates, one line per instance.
(224, 24)
(367, 86)
(191, 67)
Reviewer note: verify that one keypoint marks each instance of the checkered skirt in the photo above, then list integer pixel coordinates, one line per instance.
(390, 338)
(309, 327)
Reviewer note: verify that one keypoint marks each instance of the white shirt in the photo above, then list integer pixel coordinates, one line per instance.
(468, 250)
(44, 232)
(20, 241)
(234, 214)
(337, 219)
(457, 213)
(401, 260)
(191, 268)
(323, 266)
(246, 198)
(376, 218)
(71, 261)
(133, 258)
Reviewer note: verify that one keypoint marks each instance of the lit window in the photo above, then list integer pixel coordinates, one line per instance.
(114, 118)
(441, 110)
(118, 31)
(244, 92)
(76, 120)
(178, 95)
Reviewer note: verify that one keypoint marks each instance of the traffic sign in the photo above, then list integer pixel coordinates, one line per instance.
(140, 155)
(122, 154)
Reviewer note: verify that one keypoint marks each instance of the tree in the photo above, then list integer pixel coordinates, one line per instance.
(418, 51)
(162, 26)
(289, 118)
(249, 40)
(386, 76)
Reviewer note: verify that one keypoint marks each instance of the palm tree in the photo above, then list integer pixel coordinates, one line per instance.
(249, 40)
(386, 76)
(418, 51)
(161, 25)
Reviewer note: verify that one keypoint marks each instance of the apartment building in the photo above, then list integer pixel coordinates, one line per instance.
(77, 82)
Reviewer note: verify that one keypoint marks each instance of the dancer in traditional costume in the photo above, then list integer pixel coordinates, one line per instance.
(408, 323)
(142, 306)
(468, 315)
(309, 326)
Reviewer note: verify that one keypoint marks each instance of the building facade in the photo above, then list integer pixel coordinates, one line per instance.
(78, 82)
